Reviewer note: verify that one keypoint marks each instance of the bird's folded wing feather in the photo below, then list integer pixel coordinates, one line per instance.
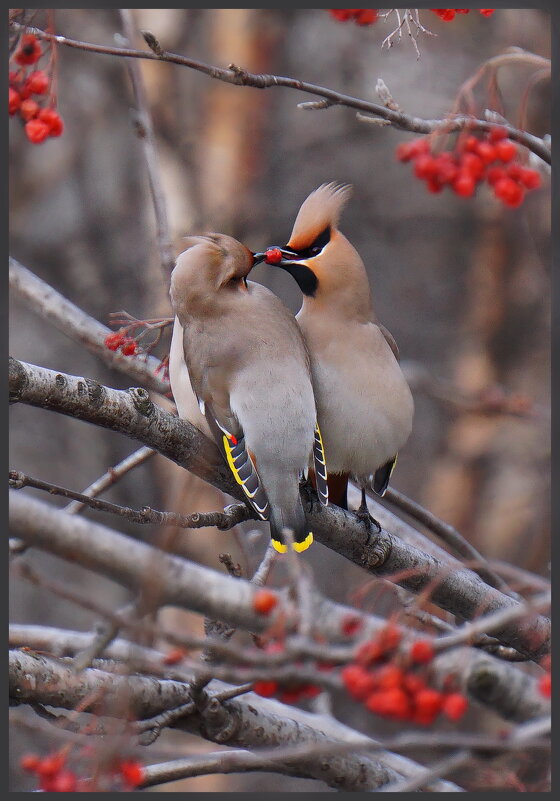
(231, 441)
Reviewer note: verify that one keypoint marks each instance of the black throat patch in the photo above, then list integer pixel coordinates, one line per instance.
(305, 277)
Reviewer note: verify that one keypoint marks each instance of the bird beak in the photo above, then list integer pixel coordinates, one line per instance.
(276, 256)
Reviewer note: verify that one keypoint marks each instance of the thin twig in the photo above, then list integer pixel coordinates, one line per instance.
(147, 138)
(240, 77)
(110, 477)
(231, 516)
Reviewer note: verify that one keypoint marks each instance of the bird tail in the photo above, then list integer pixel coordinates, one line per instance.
(294, 520)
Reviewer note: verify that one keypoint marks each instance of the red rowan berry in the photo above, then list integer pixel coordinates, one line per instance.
(509, 192)
(53, 120)
(393, 703)
(425, 166)
(454, 706)
(132, 772)
(37, 82)
(264, 601)
(29, 50)
(29, 762)
(174, 656)
(36, 131)
(389, 637)
(273, 256)
(413, 683)
(496, 133)
(464, 184)
(434, 184)
(265, 688)
(470, 144)
(422, 652)
(358, 681)
(51, 765)
(311, 690)
(495, 173)
(530, 179)
(366, 16)
(428, 701)
(128, 347)
(388, 676)
(545, 685)
(114, 341)
(487, 152)
(487, 12)
(369, 652)
(14, 101)
(64, 782)
(29, 109)
(447, 169)
(506, 150)
(446, 14)
(472, 163)
(341, 14)
(351, 625)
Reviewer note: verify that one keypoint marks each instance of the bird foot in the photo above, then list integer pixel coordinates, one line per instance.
(362, 513)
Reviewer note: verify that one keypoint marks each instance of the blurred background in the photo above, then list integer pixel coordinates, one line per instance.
(462, 284)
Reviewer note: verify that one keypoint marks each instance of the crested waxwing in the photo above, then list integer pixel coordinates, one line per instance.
(364, 404)
(245, 362)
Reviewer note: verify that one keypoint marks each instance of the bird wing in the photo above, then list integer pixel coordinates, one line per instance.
(229, 436)
(382, 476)
(320, 466)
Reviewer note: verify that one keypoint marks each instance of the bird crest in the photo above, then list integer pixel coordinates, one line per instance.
(320, 210)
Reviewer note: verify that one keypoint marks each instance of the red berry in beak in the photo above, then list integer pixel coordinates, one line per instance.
(273, 256)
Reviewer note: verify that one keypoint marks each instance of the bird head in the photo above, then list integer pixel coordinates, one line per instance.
(212, 266)
(320, 258)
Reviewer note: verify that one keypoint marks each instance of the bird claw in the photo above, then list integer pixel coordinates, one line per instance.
(363, 515)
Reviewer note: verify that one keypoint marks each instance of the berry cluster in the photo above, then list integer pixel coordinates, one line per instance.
(127, 345)
(395, 688)
(40, 122)
(447, 14)
(492, 158)
(367, 16)
(55, 776)
(361, 16)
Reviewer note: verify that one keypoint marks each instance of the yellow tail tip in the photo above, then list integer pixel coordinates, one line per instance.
(298, 546)
(303, 546)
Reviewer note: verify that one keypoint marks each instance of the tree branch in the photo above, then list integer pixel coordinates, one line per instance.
(130, 412)
(147, 138)
(240, 77)
(45, 301)
(34, 677)
(256, 721)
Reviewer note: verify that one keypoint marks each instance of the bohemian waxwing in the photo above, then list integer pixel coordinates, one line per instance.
(364, 404)
(249, 370)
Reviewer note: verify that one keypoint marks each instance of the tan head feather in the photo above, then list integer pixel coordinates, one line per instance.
(322, 208)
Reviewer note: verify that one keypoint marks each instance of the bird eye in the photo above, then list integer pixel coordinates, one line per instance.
(315, 250)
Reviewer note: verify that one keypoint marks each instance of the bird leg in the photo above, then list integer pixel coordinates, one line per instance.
(362, 513)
